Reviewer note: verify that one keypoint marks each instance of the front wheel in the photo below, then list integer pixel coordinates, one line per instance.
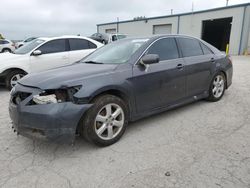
(13, 77)
(106, 121)
(217, 87)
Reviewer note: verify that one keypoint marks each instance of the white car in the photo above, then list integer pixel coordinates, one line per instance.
(43, 54)
(20, 44)
(6, 45)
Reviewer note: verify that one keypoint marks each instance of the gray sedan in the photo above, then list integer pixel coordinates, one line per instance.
(121, 82)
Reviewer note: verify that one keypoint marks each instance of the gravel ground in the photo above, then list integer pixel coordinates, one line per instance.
(199, 145)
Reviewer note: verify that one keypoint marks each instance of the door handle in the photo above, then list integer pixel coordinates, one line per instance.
(180, 66)
(212, 60)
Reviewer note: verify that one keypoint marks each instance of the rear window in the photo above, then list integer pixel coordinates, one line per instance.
(205, 49)
(80, 44)
(190, 47)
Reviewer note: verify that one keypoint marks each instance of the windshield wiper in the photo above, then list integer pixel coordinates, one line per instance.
(92, 62)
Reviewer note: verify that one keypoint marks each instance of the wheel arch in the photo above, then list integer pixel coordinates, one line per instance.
(6, 48)
(112, 91)
(7, 71)
(107, 91)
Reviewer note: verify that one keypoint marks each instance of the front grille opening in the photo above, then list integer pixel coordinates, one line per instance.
(19, 97)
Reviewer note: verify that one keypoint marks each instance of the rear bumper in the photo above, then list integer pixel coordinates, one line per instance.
(53, 122)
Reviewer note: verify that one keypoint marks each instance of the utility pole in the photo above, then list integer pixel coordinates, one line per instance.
(117, 26)
(227, 2)
(192, 6)
(171, 11)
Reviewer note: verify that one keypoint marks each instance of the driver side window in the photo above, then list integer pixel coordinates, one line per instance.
(166, 48)
(54, 46)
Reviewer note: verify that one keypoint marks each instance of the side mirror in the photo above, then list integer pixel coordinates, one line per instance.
(150, 59)
(36, 53)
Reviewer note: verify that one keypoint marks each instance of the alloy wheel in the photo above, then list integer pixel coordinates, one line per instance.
(109, 121)
(218, 86)
(15, 78)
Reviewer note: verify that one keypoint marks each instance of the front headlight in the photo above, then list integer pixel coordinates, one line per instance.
(56, 95)
(48, 99)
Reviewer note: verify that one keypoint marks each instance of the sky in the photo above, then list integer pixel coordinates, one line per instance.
(20, 19)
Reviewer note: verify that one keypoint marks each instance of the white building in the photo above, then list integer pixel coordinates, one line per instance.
(219, 26)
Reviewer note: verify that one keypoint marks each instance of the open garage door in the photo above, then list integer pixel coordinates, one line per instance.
(162, 29)
(217, 32)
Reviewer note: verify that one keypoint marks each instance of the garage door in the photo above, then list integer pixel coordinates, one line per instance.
(162, 29)
(110, 30)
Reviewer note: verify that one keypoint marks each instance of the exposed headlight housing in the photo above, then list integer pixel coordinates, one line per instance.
(48, 99)
(56, 95)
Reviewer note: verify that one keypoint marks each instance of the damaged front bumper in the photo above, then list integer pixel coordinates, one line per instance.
(55, 122)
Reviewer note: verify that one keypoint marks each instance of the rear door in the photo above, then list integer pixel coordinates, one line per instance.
(198, 59)
(164, 82)
(54, 54)
(80, 48)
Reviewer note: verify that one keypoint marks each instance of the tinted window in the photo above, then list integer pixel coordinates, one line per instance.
(205, 49)
(78, 44)
(53, 46)
(92, 45)
(165, 48)
(121, 36)
(4, 42)
(190, 47)
(114, 37)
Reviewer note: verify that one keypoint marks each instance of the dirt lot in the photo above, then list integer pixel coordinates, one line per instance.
(199, 145)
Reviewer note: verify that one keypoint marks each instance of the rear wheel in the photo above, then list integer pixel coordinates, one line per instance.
(13, 77)
(106, 121)
(217, 87)
(6, 50)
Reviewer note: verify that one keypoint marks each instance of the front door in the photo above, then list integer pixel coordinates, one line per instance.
(54, 54)
(164, 82)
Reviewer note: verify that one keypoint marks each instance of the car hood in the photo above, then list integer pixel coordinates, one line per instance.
(9, 56)
(66, 76)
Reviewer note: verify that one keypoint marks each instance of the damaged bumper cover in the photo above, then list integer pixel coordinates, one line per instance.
(55, 122)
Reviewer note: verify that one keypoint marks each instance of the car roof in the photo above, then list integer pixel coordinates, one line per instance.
(63, 37)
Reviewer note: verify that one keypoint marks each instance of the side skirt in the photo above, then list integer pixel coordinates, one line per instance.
(169, 107)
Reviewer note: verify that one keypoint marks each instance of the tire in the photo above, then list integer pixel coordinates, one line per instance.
(91, 124)
(10, 78)
(217, 87)
(6, 50)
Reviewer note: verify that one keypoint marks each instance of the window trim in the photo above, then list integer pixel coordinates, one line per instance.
(143, 53)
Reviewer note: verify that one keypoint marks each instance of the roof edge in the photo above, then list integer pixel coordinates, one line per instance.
(181, 14)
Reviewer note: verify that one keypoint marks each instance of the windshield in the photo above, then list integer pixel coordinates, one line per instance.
(28, 47)
(116, 53)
